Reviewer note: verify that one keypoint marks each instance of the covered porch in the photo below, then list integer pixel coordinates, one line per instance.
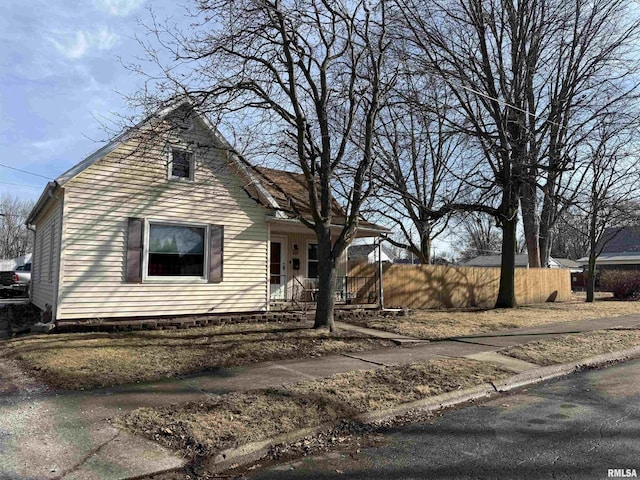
(293, 270)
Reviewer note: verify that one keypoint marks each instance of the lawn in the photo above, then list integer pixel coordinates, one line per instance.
(209, 426)
(439, 324)
(77, 361)
(571, 348)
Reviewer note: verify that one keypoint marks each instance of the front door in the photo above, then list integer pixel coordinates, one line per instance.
(277, 270)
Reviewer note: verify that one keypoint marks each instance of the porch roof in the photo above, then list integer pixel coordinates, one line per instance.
(293, 225)
(290, 192)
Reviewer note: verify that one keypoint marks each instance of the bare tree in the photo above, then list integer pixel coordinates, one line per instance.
(479, 236)
(530, 78)
(608, 204)
(420, 157)
(311, 74)
(569, 240)
(588, 67)
(15, 239)
(488, 53)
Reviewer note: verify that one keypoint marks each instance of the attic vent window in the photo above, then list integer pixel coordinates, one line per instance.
(181, 164)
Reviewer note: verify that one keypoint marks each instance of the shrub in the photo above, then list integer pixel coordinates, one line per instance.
(624, 284)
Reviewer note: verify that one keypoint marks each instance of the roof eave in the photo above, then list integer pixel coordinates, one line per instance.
(46, 195)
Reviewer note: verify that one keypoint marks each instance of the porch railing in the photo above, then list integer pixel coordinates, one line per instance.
(347, 290)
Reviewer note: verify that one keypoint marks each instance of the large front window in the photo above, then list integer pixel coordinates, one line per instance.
(176, 251)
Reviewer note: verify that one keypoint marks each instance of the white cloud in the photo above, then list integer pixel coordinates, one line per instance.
(83, 41)
(121, 8)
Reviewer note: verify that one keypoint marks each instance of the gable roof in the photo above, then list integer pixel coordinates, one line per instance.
(566, 262)
(357, 252)
(522, 260)
(621, 240)
(289, 190)
(251, 184)
(291, 193)
(360, 251)
(274, 189)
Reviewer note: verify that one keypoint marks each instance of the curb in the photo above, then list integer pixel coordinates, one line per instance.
(430, 404)
(541, 374)
(252, 452)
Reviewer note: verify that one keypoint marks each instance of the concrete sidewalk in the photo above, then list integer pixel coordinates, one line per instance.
(69, 435)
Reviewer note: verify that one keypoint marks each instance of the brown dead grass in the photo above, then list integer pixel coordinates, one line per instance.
(81, 361)
(575, 347)
(432, 325)
(209, 426)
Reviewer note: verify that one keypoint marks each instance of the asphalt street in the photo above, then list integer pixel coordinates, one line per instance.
(577, 427)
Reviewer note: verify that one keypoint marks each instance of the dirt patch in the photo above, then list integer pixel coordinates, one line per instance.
(575, 347)
(212, 425)
(14, 381)
(81, 361)
(433, 325)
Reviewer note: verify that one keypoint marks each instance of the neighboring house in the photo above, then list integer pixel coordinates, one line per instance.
(575, 270)
(369, 253)
(572, 265)
(522, 261)
(620, 251)
(173, 224)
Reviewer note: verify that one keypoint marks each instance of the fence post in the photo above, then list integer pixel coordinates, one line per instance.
(381, 290)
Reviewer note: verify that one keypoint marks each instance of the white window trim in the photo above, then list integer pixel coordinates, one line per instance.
(174, 279)
(306, 254)
(192, 165)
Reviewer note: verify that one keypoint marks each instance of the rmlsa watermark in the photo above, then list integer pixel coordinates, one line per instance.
(622, 473)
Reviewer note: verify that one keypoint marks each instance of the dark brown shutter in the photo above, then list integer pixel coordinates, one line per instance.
(135, 240)
(216, 253)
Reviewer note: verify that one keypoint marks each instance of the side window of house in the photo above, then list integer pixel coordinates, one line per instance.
(159, 250)
(181, 164)
(312, 260)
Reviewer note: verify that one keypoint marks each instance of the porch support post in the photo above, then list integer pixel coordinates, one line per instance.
(380, 289)
(267, 289)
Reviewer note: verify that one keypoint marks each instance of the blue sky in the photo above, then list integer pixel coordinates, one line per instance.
(60, 77)
(62, 80)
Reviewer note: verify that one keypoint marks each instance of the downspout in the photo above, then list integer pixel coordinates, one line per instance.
(31, 228)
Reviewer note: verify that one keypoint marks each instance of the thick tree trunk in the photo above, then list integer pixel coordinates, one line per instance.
(530, 224)
(425, 247)
(507, 291)
(325, 297)
(544, 244)
(547, 222)
(593, 253)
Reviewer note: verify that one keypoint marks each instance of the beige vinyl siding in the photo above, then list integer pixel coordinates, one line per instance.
(45, 263)
(126, 183)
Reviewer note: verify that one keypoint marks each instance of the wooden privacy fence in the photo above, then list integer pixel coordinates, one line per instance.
(435, 286)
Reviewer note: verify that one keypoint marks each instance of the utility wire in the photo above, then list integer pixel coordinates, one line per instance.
(20, 185)
(25, 171)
